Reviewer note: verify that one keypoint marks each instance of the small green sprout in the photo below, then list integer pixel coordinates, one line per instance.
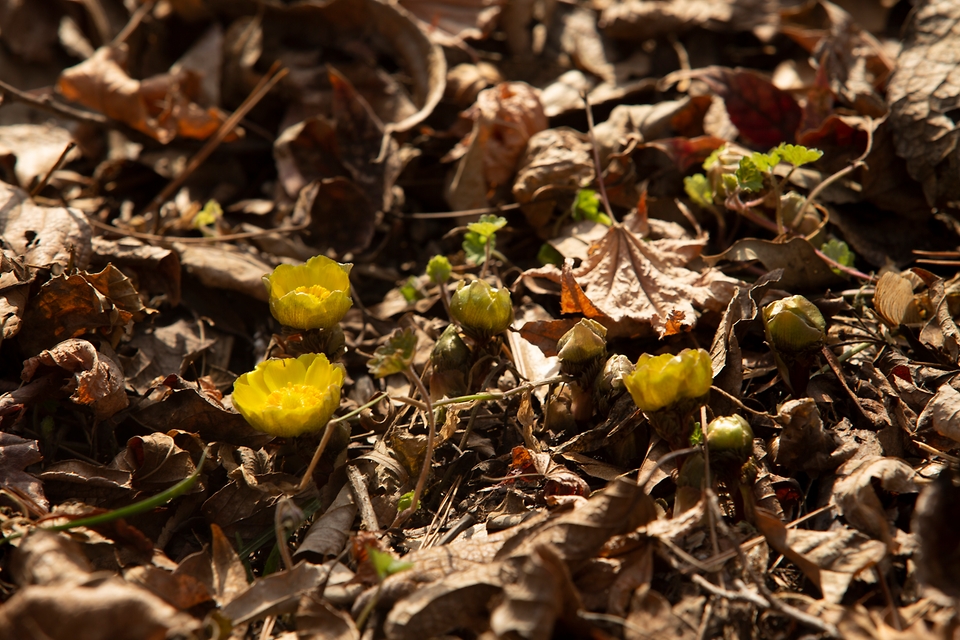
(549, 255)
(480, 239)
(405, 502)
(439, 269)
(385, 564)
(698, 190)
(587, 207)
(839, 251)
(411, 291)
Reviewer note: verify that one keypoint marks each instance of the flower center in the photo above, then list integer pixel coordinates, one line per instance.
(295, 396)
(314, 290)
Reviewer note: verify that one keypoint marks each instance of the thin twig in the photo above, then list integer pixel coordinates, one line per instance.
(266, 83)
(463, 212)
(427, 455)
(596, 158)
(45, 103)
(56, 165)
(135, 19)
(153, 237)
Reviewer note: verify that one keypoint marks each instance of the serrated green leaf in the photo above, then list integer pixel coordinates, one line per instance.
(749, 177)
(438, 269)
(798, 155)
(713, 158)
(487, 225)
(548, 255)
(839, 251)
(587, 207)
(394, 356)
(385, 564)
(765, 161)
(410, 291)
(698, 189)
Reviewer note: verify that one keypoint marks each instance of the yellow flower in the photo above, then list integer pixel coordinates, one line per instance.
(481, 310)
(291, 396)
(660, 381)
(314, 295)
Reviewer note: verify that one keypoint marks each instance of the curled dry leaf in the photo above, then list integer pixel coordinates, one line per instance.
(162, 106)
(328, 535)
(14, 290)
(16, 454)
(631, 283)
(505, 117)
(922, 95)
(830, 559)
(857, 498)
(37, 147)
(97, 379)
(448, 23)
(942, 414)
(804, 444)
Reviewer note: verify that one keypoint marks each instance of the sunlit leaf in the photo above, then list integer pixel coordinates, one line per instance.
(749, 177)
(698, 189)
(798, 155)
(394, 356)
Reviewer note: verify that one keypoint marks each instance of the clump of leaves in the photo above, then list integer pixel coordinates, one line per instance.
(207, 218)
(480, 241)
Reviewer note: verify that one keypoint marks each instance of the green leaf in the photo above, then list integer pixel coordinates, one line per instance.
(207, 216)
(438, 269)
(587, 207)
(487, 225)
(696, 438)
(749, 177)
(385, 564)
(765, 161)
(410, 291)
(394, 356)
(475, 247)
(713, 158)
(798, 155)
(698, 189)
(548, 255)
(839, 251)
(405, 501)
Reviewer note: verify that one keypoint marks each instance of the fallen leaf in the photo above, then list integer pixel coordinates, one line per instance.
(36, 147)
(764, 114)
(274, 594)
(97, 379)
(919, 94)
(641, 20)
(830, 559)
(43, 236)
(804, 444)
(161, 106)
(857, 497)
(329, 533)
(630, 282)
(16, 454)
(802, 267)
(225, 268)
(317, 619)
(938, 560)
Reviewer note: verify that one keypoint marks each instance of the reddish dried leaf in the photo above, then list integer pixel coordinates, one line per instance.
(687, 152)
(160, 106)
(97, 379)
(764, 114)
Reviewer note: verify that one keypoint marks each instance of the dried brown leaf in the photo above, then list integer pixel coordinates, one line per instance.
(922, 95)
(830, 559)
(274, 594)
(161, 106)
(43, 236)
(328, 535)
(97, 379)
(16, 454)
(630, 282)
(857, 498)
(938, 560)
(317, 619)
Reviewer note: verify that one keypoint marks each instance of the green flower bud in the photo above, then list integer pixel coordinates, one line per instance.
(730, 433)
(450, 351)
(584, 344)
(438, 269)
(796, 331)
(480, 310)
(661, 381)
(794, 326)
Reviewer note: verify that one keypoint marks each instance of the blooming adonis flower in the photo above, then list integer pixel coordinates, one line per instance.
(291, 396)
(314, 295)
(661, 381)
(481, 310)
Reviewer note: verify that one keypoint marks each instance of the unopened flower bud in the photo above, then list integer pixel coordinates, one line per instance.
(583, 345)
(481, 310)
(450, 351)
(730, 434)
(794, 326)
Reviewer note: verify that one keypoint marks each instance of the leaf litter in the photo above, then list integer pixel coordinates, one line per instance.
(476, 482)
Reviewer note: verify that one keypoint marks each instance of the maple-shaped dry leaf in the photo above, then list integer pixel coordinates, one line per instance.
(629, 282)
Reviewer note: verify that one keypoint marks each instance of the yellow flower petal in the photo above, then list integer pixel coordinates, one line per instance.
(288, 397)
(659, 381)
(314, 295)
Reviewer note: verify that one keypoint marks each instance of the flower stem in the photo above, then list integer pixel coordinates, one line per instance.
(328, 430)
(134, 509)
(428, 454)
